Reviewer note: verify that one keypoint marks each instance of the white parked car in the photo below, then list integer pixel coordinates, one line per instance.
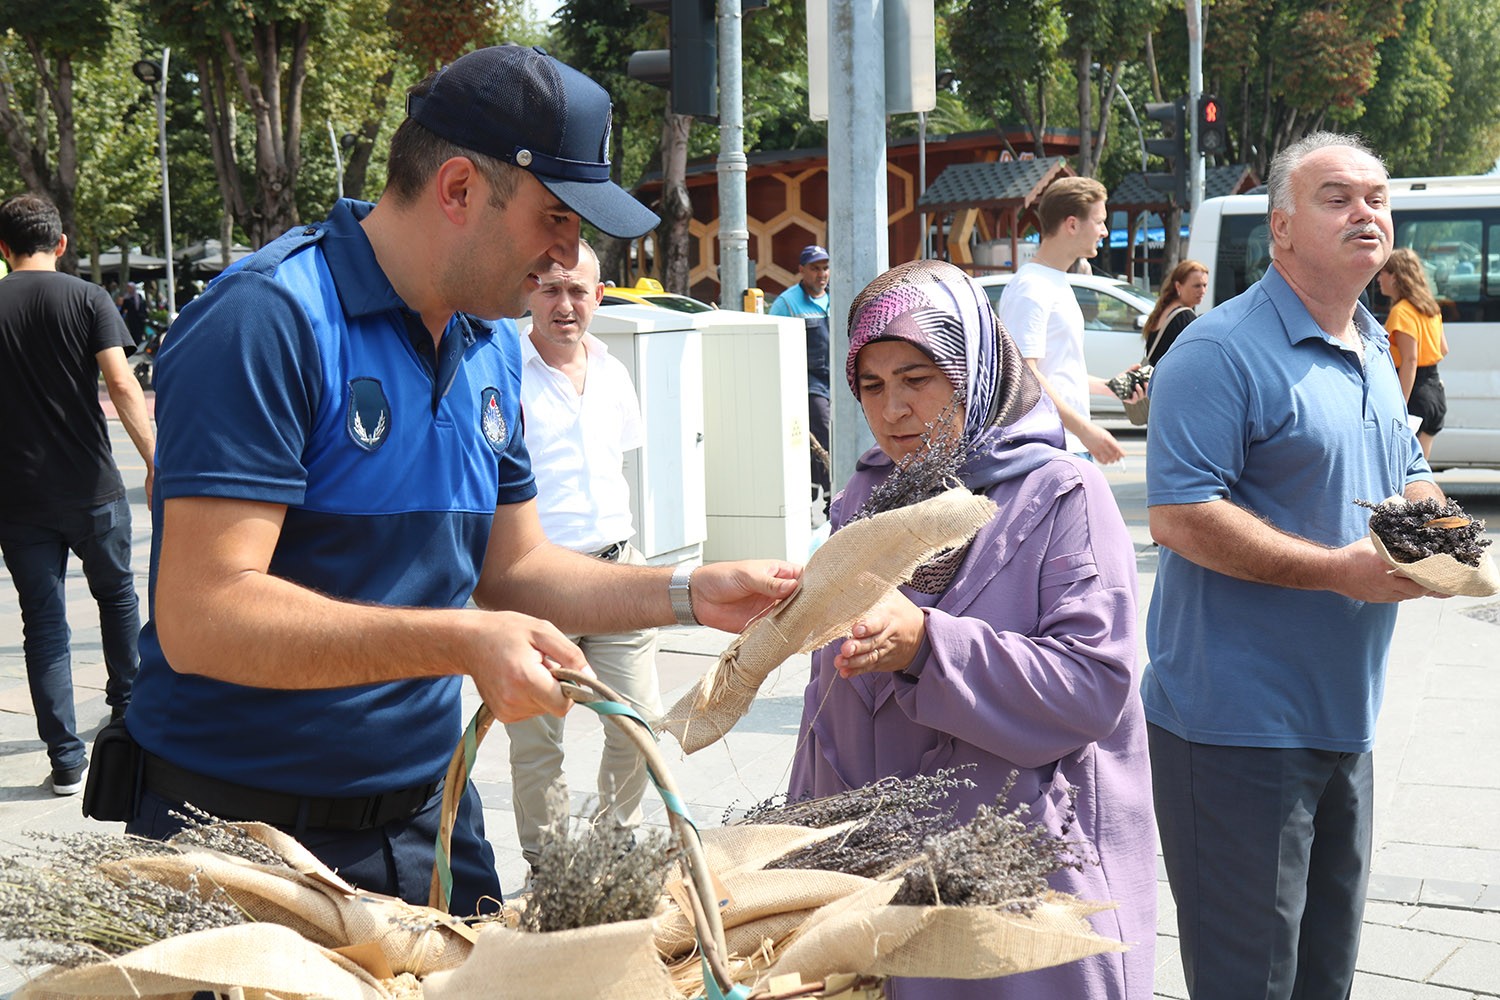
(1114, 314)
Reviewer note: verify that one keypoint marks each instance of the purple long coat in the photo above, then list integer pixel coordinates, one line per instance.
(1029, 664)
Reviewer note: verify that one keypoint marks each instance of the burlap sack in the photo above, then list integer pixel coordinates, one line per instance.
(314, 902)
(1445, 574)
(844, 579)
(754, 896)
(265, 961)
(616, 961)
(748, 846)
(863, 934)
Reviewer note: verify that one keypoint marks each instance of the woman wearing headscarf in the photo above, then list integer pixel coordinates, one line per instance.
(1016, 653)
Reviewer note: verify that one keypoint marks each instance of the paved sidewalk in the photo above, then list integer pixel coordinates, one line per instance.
(1432, 927)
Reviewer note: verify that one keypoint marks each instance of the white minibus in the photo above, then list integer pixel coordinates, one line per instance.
(1453, 223)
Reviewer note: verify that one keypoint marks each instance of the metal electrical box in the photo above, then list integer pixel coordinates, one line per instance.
(756, 435)
(664, 355)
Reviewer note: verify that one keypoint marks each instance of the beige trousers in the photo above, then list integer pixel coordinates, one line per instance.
(626, 661)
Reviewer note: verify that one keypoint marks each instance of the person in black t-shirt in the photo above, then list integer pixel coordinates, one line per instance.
(133, 310)
(63, 490)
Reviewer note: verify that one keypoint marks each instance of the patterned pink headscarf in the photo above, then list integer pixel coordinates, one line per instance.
(938, 309)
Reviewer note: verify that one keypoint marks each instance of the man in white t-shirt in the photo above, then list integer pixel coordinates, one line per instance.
(1041, 313)
(581, 416)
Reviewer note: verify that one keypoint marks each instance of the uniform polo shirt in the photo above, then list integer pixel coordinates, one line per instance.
(814, 310)
(299, 378)
(1256, 405)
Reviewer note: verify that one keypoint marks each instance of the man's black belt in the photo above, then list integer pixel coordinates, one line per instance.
(611, 553)
(227, 800)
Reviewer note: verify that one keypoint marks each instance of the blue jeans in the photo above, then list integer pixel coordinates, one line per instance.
(36, 553)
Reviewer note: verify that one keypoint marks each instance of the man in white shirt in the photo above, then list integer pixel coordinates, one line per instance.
(581, 416)
(1041, 313)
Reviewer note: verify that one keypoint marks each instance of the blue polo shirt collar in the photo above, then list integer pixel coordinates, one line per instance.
(1299, 324)
(362, 286)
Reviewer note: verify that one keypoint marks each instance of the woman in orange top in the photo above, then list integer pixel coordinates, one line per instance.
(1415, 325)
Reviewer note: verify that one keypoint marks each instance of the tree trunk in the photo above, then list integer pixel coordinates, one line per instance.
(675, 232)
(1081, 66)
(219, 122)
(357, 168)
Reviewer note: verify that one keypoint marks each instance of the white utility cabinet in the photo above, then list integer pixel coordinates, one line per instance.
(664, 355)
(755, 412)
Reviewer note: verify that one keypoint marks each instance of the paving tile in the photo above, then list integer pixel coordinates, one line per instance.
(1394, 888)
(1390, 914)
(1442, 816)
(1475, 966)
(1477, 925)
(1490, 898)
(1476, 717)
(1430, 759)
(1461, 864)
(1368, 987)
(1403, 954)
(1169, 980)
(1440, 892)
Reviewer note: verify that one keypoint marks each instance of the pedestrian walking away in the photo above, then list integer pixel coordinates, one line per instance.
(63, 492)
(582, 417)
(342, 471)
(1039, 310)
(1269, 417)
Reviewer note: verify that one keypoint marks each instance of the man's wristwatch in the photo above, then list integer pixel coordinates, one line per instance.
(680, 589)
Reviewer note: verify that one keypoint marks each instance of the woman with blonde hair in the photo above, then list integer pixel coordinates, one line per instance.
(1180, 295)
(1418, 343)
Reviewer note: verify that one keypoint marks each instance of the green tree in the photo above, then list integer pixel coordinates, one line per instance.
(1467, 139)
(43, 45)
(1006, 53)
(1105, 34)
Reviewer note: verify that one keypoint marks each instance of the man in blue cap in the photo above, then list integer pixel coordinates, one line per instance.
(341, 472)
(808, 298)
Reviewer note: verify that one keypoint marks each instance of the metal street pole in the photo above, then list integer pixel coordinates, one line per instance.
(338, 158)
(734, 227)
(1195, 94)
(166, 184)
(922, 178)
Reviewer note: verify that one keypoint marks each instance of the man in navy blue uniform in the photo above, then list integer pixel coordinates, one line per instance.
(341, 469)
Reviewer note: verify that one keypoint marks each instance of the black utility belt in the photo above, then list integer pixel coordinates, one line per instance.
(227, 800)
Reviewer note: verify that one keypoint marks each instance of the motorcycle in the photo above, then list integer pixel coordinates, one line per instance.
(143, 361)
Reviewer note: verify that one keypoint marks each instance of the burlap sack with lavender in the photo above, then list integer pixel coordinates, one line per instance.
(255, 961)
(291, 887)
(763, 905)
(616, 960)
(858, 565)
(1435, 544)
(863, 933)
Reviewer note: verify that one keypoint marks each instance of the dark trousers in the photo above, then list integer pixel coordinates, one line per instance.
(393, 860)
(1268, 855)
(817, 426)
(36, 553)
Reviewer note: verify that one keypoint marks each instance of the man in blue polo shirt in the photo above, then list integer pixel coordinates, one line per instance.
(808, 299)
(1272, 615)
(341, 470)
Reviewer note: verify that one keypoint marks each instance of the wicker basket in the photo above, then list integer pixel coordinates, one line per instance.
(599, 697)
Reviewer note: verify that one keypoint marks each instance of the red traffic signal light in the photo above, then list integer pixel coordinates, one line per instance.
(1213, 137)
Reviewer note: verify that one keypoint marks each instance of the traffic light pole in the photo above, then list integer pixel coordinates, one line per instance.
(734, 227)
(858, 237)
(1195, 97)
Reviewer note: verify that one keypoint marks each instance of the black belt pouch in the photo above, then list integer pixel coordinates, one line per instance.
(114, 773)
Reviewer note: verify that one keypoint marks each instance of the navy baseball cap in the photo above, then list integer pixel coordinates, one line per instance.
(813, 254)
(521, 106)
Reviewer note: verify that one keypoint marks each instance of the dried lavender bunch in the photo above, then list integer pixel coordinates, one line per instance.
(210, 833)
(928, 471)
(591, 873)
(1421, 528)
(996, 859)
(918, 793)
(66, 911)
(893, 817)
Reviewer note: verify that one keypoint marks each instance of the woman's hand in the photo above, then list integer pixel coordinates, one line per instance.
(885, 639)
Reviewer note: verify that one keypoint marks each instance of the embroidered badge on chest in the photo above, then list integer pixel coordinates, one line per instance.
(369, 421)
(492, 420)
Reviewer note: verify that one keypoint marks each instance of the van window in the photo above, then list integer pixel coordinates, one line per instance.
(1244, 255)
